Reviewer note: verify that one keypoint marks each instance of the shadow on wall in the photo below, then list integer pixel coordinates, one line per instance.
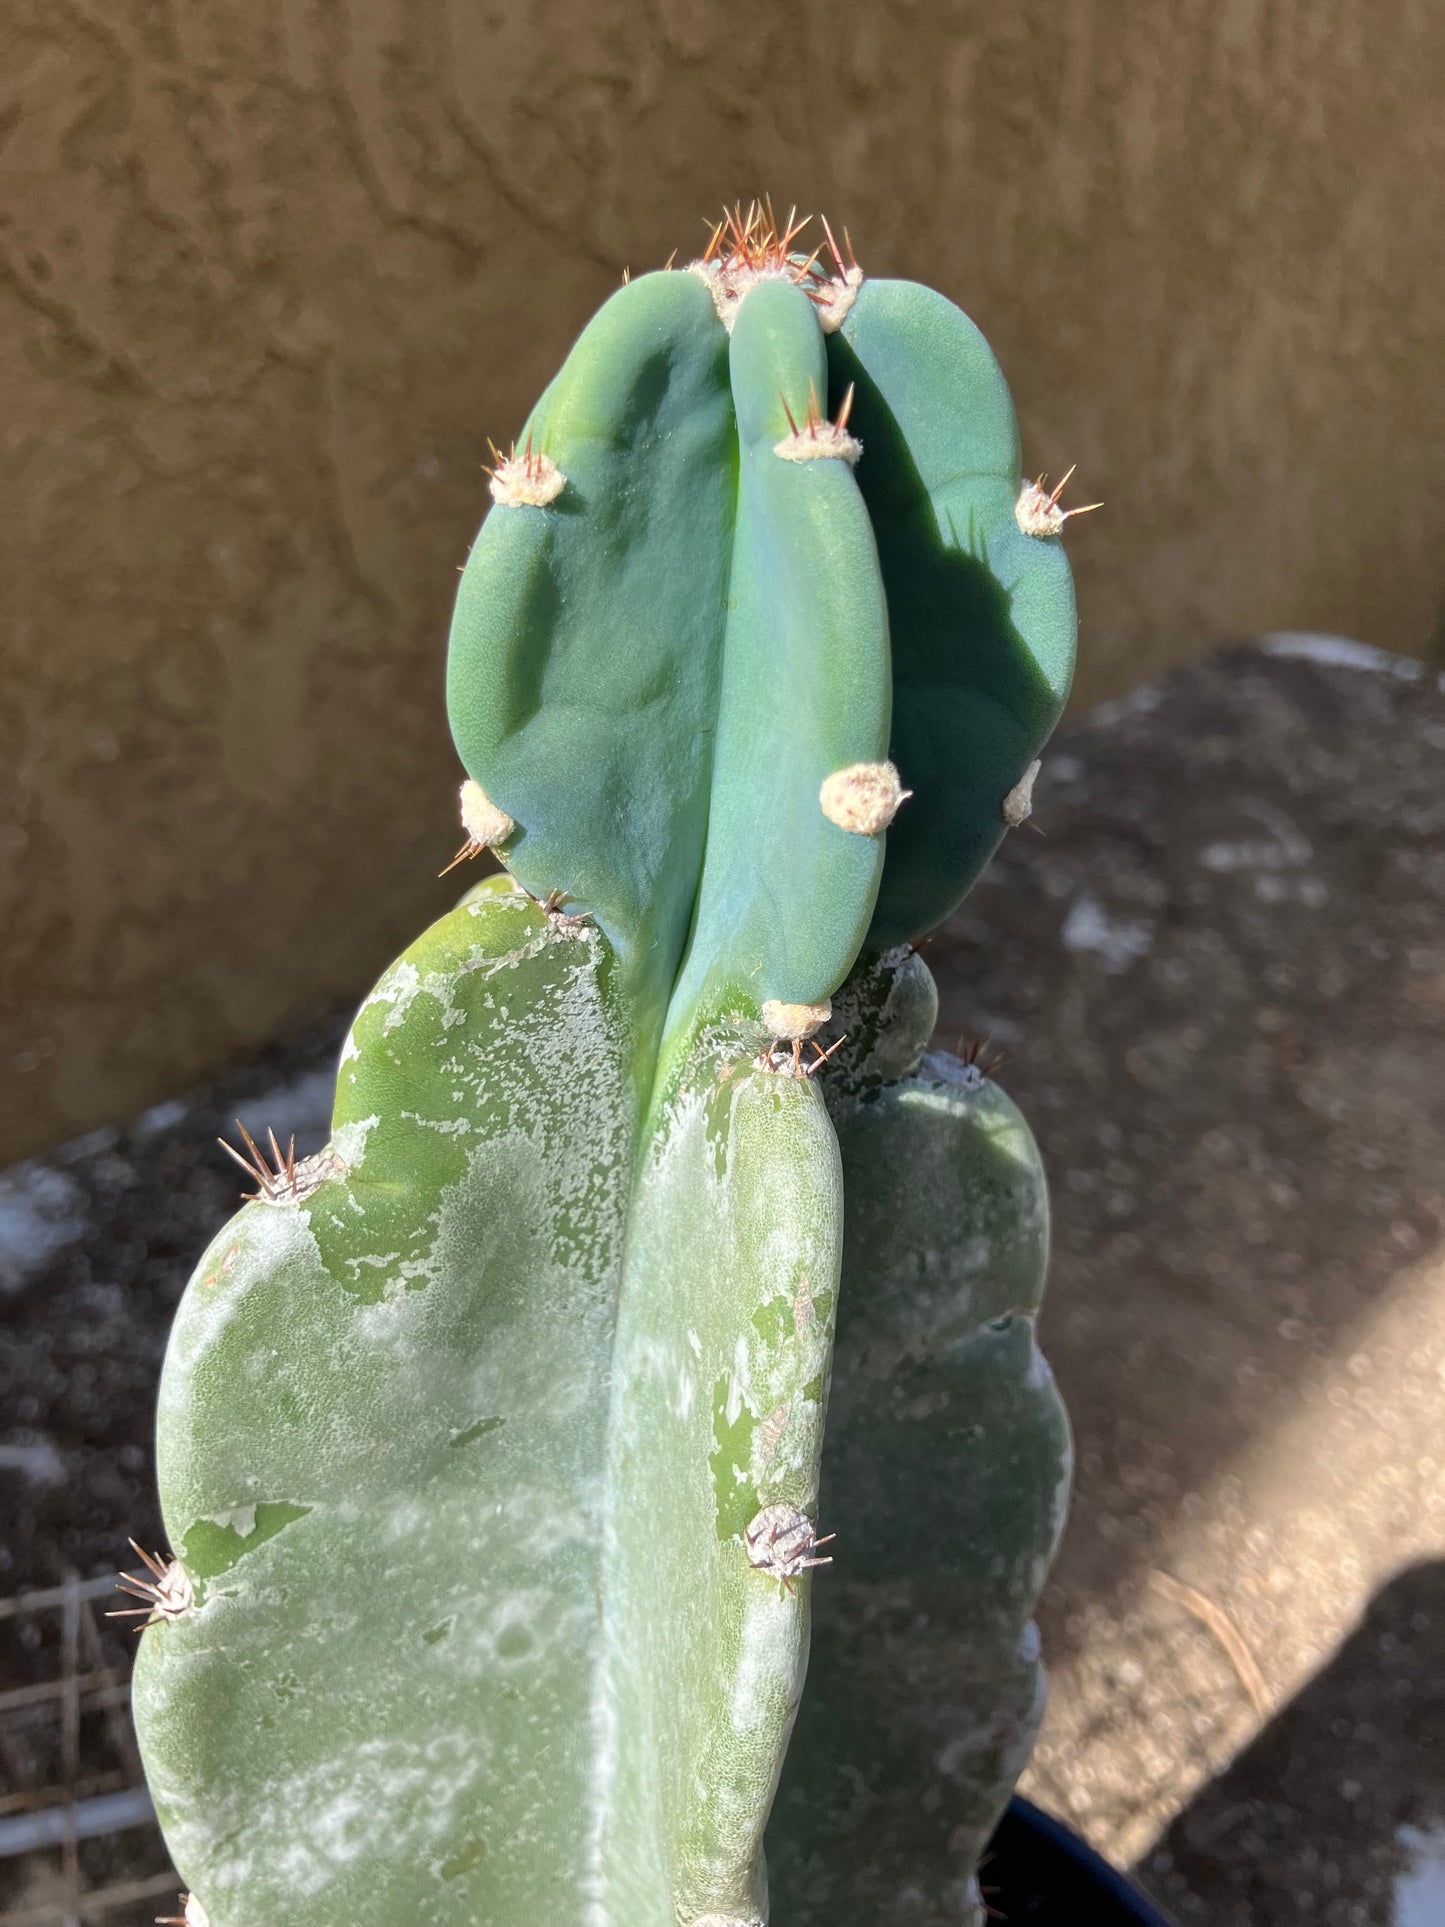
(1336, 1812)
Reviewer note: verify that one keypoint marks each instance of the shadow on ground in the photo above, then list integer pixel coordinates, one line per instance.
(1336, 1812)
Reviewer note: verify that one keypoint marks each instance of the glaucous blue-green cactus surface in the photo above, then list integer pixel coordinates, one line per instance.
(491, 1438)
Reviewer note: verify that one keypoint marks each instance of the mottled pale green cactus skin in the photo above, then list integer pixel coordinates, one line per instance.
(949, 1459)
(466, 1447)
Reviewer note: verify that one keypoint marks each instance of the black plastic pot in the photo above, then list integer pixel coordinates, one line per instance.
(1038, 1873)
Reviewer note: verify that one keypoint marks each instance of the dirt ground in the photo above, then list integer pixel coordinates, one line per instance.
(1219, 979)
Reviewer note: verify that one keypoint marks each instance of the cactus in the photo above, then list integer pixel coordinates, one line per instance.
(491, 1437)
(947, 1469)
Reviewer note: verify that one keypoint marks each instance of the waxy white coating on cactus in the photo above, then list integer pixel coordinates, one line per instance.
(780, 1541)
(1019, 803)
(1037, 510)
(528, 480)
(864, 798)
(486, 826)
(794, 1022)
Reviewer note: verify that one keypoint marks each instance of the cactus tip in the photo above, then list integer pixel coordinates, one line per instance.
(863, 798)
(745, 248)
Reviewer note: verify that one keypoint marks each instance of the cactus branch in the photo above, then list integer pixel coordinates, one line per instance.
(491, 1436)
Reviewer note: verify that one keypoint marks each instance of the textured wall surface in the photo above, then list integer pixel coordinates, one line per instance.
(272, 270)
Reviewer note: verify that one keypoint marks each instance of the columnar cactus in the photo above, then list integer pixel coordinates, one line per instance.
(491, 1437)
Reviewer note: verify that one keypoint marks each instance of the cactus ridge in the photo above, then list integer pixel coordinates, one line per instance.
(982, 615)
(949, 1456)
(491, 1437)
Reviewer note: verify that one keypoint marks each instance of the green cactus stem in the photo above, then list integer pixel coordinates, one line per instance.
(981, 611)
(948, 1461)
(491, 1437)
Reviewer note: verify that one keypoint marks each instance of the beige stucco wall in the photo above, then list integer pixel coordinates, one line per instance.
(271, 271)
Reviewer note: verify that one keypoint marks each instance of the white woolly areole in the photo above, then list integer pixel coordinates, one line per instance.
(780, 1541)
(166, 1594)
(724, 1920)
(836, 297)
(175, 1596)
(1036, 511)
(864, 798)
(1019, 803)
(727, 286)
(819, 441)
(795, 1021)
(483, 822)
(831, 298)
(311, 1173)
(527, 481)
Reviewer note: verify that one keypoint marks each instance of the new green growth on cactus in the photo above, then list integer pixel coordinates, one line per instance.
(491, 1438)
